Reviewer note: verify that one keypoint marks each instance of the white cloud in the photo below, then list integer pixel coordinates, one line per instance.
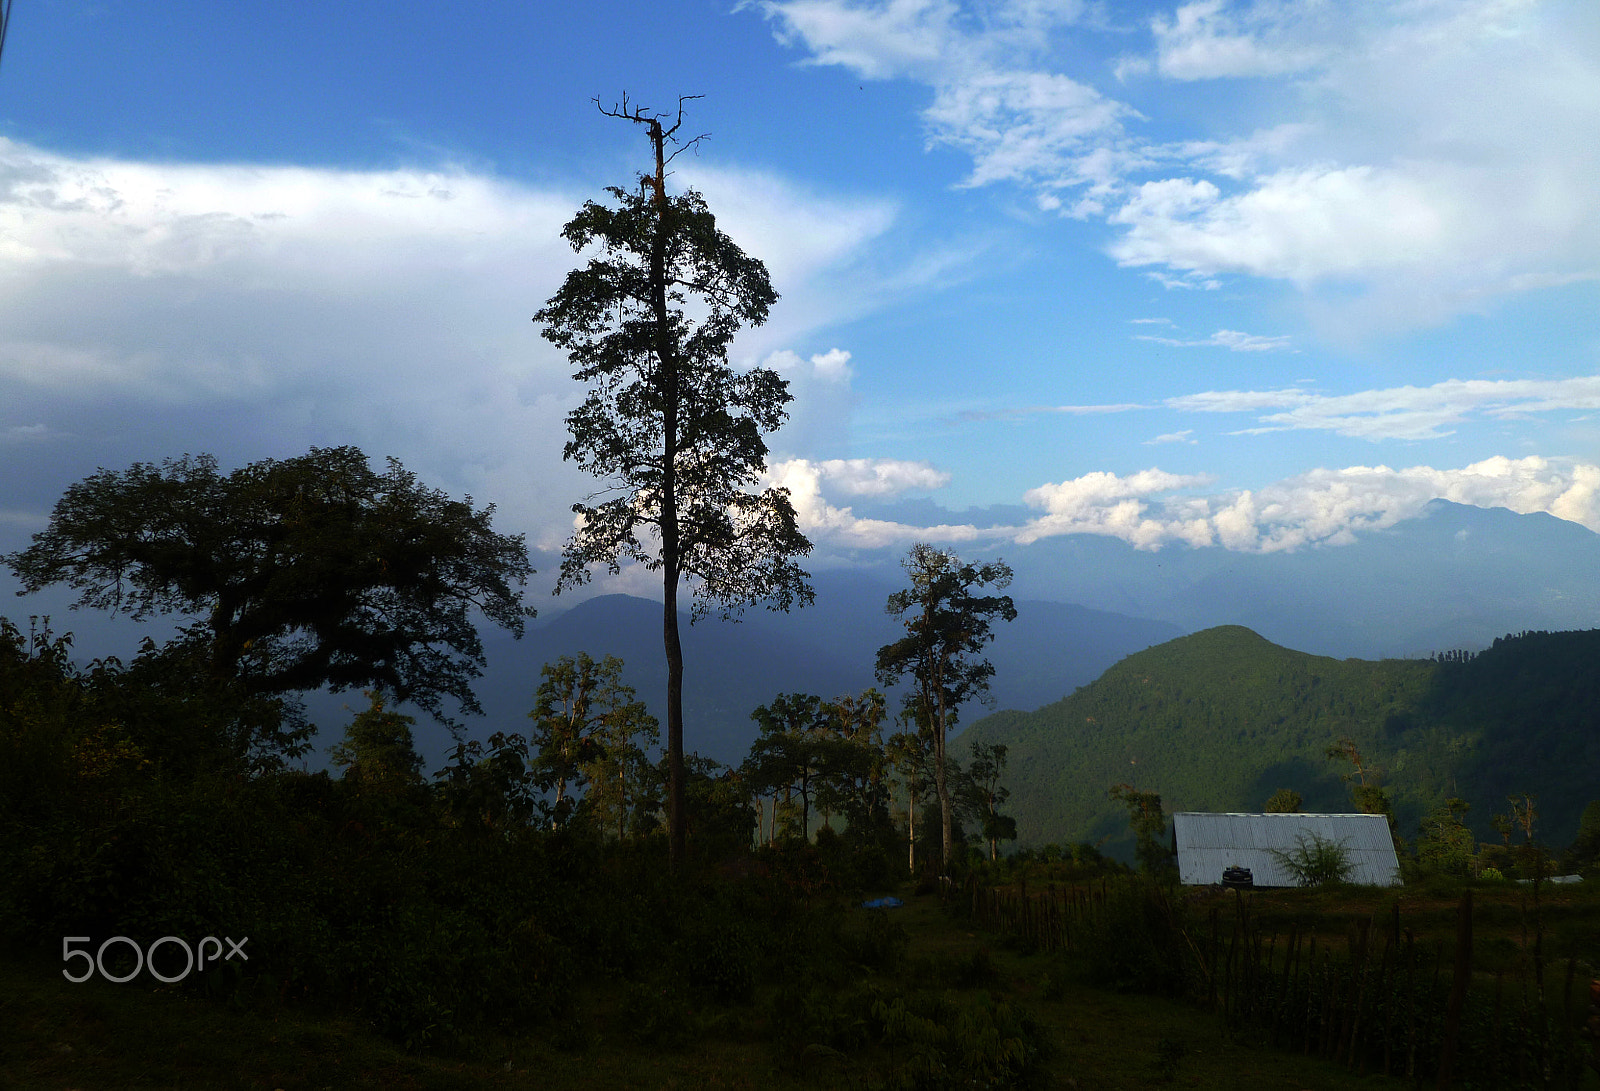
(1406, 412)
(1322, 507)
(994, 97)
(1204, 40)
(252, 311)
(1414, 160)
(1228, 339)
(823, 521)
(880, 476)
(1173, 437)
(1105, 503)
(1030, 410)
(1153, 508)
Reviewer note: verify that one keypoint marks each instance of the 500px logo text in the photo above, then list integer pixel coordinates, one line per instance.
(194, 958)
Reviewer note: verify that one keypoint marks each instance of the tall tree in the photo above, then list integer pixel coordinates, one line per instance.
(671, 429)
(947, 626)
(302, 573)
(788, 757)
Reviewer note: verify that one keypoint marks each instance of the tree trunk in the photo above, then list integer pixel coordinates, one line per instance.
(911, 828)
(666, 356)
(677, 816)
(940, 780)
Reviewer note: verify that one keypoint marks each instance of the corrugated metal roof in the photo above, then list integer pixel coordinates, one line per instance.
(1208, 843)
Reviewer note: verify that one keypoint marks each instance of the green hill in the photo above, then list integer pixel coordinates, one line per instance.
(1221, 719)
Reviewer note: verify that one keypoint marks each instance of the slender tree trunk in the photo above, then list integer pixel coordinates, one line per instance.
(677, 816)
(911, 829)
(666, 355)
(941, 781)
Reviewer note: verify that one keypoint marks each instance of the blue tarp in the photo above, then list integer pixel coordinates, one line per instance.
(882, 903)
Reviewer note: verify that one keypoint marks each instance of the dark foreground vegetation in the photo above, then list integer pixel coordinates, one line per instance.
(461, 930)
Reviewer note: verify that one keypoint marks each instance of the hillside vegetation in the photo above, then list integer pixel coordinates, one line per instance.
(1221, 719)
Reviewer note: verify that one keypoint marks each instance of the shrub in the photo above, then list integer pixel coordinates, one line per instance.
(1316, 860)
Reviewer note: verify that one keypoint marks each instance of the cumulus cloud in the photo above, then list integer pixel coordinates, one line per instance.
(1152, 509)
(825, 521)
(1206, 40)
(1105, 503)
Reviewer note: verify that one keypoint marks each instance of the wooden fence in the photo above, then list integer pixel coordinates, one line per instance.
(1372, 998)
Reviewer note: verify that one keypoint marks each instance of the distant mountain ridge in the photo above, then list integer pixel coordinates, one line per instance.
(828, 649)
(1220, 719)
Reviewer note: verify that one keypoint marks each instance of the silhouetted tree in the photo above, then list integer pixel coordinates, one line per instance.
(302, 573)
(674, 432)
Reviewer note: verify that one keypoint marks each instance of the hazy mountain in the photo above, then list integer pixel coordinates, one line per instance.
(1454, 577)
(828, 649)
(1221, 719)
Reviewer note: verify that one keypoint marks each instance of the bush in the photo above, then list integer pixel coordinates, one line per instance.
(1315, 860)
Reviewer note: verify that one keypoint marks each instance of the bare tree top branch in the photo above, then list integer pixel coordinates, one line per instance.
(643, 115)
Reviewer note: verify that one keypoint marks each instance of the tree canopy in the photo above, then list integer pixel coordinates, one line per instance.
(672, 431)
(300, 573)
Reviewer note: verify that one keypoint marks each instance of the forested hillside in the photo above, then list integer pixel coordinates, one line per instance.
(1222, 719)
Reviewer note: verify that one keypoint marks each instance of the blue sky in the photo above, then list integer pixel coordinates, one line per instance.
(1232, 275)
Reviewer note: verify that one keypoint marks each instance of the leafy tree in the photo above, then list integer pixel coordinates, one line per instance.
(982, 782)
(302, 573)
(947, 625)
(719, 810)
(672, 430)
(378, 748)
(1149, 823)
(489, 786)
(1284, 801)
(381, 762)
(1444, 843)
(788, 758)
(622, 783)
(855, 774)
(1365, 781)
(565, 720)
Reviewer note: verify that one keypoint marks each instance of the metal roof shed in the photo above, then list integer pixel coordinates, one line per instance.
(1208, 843)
